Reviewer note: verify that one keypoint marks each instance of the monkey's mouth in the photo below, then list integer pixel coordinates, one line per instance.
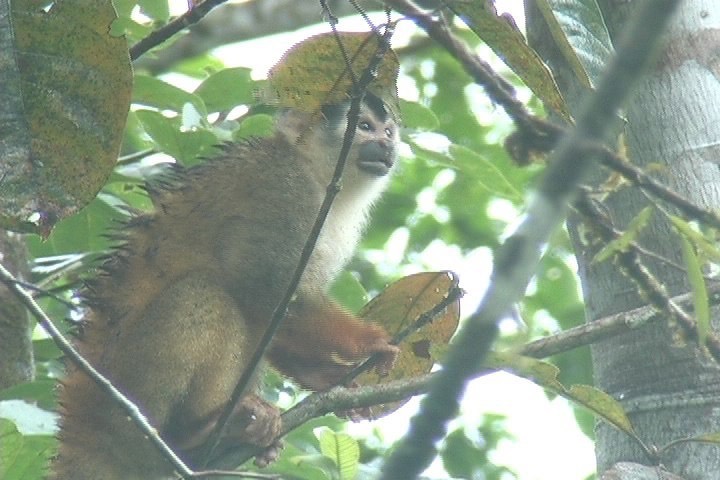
(376, 159)
(378, 167)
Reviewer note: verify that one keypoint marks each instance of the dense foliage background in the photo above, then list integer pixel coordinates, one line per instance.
(457, 196)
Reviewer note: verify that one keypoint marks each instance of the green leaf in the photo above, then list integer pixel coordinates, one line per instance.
(39, 392)
(184, 146)
(622, 243)
(485, 172)
(79, 233)
(156, 9)
(701, 301)
(23, 457)
(65, 95)
(342, 449)
(226, 89)
(581, 36)
(417, 116)
(153, 92)
(704, 246)
(461, 456)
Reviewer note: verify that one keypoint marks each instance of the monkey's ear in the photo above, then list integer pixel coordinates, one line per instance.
(313, 73)
(421, 312)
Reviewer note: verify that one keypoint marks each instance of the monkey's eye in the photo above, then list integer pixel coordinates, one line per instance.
(365, 126)
(389, 132)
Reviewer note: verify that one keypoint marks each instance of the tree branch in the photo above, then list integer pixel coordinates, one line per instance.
(237, 22)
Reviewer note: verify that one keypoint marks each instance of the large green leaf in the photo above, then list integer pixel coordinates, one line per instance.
(226, 89)
(581, 35)
(343, 450)
(22, 456)
(64, 98)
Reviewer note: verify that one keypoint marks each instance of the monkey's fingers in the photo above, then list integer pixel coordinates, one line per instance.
(387, 355)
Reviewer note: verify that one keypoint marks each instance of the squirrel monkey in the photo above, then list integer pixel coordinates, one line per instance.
(180, 307)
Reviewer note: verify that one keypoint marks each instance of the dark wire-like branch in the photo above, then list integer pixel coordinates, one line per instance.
(64, 345)
(517, 258)
(164, 33)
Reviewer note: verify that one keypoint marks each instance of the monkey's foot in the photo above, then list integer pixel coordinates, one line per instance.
(269, 455)
(255, 421)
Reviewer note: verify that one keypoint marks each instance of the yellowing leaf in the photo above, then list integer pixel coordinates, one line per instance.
(546, 375)
(313, 72)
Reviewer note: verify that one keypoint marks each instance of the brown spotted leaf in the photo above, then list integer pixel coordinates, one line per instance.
(402, 308)
(65, 94)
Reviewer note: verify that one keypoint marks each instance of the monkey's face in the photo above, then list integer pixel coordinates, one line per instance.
(376, 141)
(374, 149)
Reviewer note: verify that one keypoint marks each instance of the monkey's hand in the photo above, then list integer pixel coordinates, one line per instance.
(368, 340)
(320, 343)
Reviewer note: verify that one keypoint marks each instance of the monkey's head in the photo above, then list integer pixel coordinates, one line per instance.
(374, 149)
(376, 139)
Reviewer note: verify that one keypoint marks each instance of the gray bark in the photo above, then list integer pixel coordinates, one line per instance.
(670, 390)
(16, 358)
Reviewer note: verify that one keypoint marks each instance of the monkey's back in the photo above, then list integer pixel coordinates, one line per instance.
(242, 215)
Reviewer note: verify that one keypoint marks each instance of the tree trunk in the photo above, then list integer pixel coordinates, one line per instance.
(670, 390)
(16, 358)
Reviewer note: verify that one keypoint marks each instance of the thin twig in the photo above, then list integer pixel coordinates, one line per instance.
(643, 278)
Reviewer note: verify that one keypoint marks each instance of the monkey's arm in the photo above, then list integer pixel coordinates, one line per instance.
(320, 342)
